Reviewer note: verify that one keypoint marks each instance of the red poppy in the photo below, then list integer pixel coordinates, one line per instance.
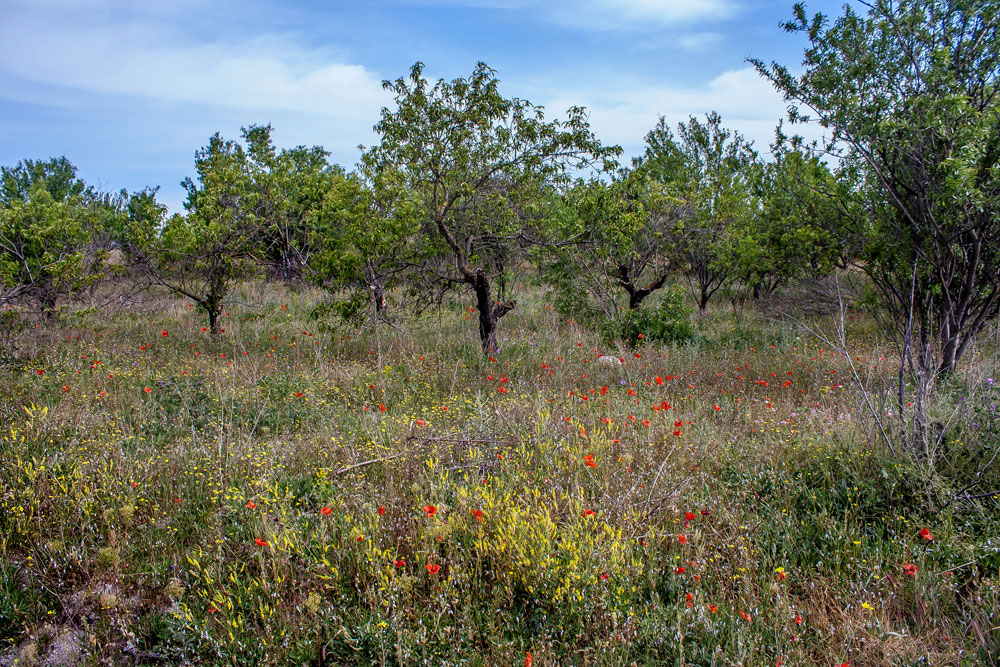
(690, 599)
(798, 619)
(260, 542)
(527, 659)
(714, 608)
(659, 380)
(381, 407)
(212, 610)
(502, 389)
(164, 334)
(326, 511)
(910, 569)
(604, 576)
(746, 616)
(431, 510)
(716, 406)
(588, 461)
(682, 539)
(433, 569)
(926, 534)
(40, 372)
(587, 513)
(645, 422)
(689, 516)
(381, 510)
(148, 390)
(679, 570)
(478, 514)
(399, 563)
(421, 422)
(251, 504)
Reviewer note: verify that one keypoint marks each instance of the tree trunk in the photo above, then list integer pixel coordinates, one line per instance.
(378, 296)
(705, 296)
(489, 314)
(756, 291)
(213, 317)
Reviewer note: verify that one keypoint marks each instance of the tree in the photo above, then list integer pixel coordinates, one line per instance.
(220, 239)
(613, 242)
(366, 227)
(289, 187)
(909, 95)
(43, 249)
(56, 175)
(472, 157)
(709, 168)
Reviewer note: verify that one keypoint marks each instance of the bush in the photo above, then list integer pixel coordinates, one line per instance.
(668, 322)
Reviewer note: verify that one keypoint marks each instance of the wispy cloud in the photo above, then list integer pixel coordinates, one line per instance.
(623, 115)
(609, 14)
(136, 55)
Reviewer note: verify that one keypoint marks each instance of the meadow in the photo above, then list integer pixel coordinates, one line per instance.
(291, 492)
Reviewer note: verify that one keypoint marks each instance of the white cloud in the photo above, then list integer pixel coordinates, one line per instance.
(136, 55)
(624, 115)
(609, 14)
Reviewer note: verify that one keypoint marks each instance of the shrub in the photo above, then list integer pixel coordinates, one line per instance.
(667, 322)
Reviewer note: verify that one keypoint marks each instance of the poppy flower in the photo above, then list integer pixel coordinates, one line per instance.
(399, 563)
(326, 511)
(164, 334)
(431, 510)
(148, 390)
(645, 422)
(746, 616)
(502, 389)
(587, 513)
(421, 422)
(212, 610)
(433, 569)
(659, 380)
(478, 514)
(690, 599)
(798, 619)
(682, 539)
(527, 659)
(714, 608)
(381, 510)
(588, 461)
(604, 576)
(260, 543)
(679, 570)
(689, 516)
(926, 534)
(251, 504)
(910, 569)
(40, 372)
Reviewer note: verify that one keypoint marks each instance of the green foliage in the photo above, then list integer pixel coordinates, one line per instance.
(667, 322)
(909, 94)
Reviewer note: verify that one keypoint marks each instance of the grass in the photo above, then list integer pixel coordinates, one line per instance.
(266, 497)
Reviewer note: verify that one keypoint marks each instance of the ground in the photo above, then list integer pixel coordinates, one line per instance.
(294, 492)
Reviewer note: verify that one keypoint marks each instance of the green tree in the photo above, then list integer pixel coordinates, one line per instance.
(56, 175)
(908, 92)
(710, 168)
(475, 159)
(201, 254)
(289, 187)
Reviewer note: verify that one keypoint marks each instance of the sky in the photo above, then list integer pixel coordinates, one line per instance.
(128, 90)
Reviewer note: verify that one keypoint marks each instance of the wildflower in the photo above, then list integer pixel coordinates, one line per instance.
(588, 461)
(588, 512)
(433, 569)
(645, 422)
(212, 610)
(926, 534)
(798, 619)
(746, 616)
(682, 539)
(679, 570)
(659, 380)
(40, 372)
(501, 389)
(381, 407)
(478, 514)
(399, 563)
(689, 516)
(690, 599)
(148, 390)
(604, 576)
(251, 504)
(260, 543)
(910, 569)
(431, 510)
(326, 511)
(164, 334)
(421, 422)
(716, 406)
(714, 608)
(381, 510)
(780, 574)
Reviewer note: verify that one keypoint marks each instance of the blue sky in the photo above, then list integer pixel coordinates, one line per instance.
(129, 89)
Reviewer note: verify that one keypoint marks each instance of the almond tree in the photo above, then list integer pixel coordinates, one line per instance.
(473, 158)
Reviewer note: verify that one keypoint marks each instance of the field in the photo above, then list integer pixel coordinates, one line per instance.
(290, 493)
